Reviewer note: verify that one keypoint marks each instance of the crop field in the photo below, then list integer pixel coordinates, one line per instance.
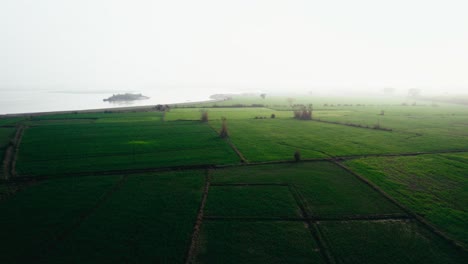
(386, 242)
(228, 113)
(35, 218)
(148, 220)
(434, 186)
(257, 242)
(378, 180)
(72, 148)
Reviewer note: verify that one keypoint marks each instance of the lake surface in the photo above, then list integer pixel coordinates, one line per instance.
(44, 100)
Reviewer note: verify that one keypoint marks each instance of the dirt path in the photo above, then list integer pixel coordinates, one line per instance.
(196, 229)
(11, 154)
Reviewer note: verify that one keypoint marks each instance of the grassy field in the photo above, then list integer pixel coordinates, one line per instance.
(33, 219)
(148, 220)
(387, 242)
(257, 242)
(434, 186)
(326, 189)
(261, 140)
(71, 148)
(245, 201)
(253, 213)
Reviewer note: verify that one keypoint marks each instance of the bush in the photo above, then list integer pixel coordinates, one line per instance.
(273, 116)
(297, 156)
(224, 132)
(204, 116)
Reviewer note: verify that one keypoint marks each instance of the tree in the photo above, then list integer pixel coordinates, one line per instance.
(263, 95)
(204, 116)
(224, 132)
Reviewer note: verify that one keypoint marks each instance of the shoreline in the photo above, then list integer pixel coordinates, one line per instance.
(116, 109)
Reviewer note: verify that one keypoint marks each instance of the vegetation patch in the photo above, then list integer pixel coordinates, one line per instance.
(387, 242)
(433, 186)
(34, 218)
(326, 189)
(251, 201)
(257, 242)
(49, 150)
(148, 220)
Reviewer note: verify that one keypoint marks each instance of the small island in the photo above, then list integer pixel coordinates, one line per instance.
(125, 97)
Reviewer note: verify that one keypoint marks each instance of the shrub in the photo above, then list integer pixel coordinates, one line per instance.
(297, 156)
(224, 132)
(204, 116)
(273, 116)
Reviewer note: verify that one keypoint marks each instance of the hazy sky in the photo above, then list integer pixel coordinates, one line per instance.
(241, 43)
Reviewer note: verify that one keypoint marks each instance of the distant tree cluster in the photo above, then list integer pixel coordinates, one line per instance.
(303, 113)
(160, 107)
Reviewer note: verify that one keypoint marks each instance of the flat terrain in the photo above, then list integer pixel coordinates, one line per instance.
(163, 187)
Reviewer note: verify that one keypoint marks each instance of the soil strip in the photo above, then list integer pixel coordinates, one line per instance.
(192, 250)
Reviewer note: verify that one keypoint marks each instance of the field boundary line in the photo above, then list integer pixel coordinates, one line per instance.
(311, 226)
(420, 219)
(369, 218)
(11, 153)
(192, 250)
(233, 147)
(249, 184)
(85, 215)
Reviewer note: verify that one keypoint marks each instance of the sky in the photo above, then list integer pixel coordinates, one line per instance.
(247, 44)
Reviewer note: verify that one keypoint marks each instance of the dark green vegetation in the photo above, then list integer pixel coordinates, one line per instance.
(387, 242)
(34, 219)
(326, 190)
(257, 242)
(149, 219)
(110, 144)
(434, 186)
(179, 191)
(244, 201)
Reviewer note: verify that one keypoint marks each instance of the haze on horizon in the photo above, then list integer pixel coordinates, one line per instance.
(295, 45)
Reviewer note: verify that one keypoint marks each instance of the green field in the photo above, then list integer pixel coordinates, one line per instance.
(434, 186)
(326, 190)
(144, 186)
(33, 219)
(387, 242)
(148, 220)
(72, 148)
(257, 242)
(245, 201)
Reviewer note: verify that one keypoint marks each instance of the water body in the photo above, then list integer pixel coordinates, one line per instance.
(13, 101)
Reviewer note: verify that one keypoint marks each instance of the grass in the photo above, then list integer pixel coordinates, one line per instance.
(251, 201)
(55, 149)
(387, 242)
(257, 242)
(434, 186)
(148, 220)
(229, 113)
(33, 218)
(327, 190)
(263, 140)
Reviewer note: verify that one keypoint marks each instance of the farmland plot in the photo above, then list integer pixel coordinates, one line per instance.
(55, 149)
